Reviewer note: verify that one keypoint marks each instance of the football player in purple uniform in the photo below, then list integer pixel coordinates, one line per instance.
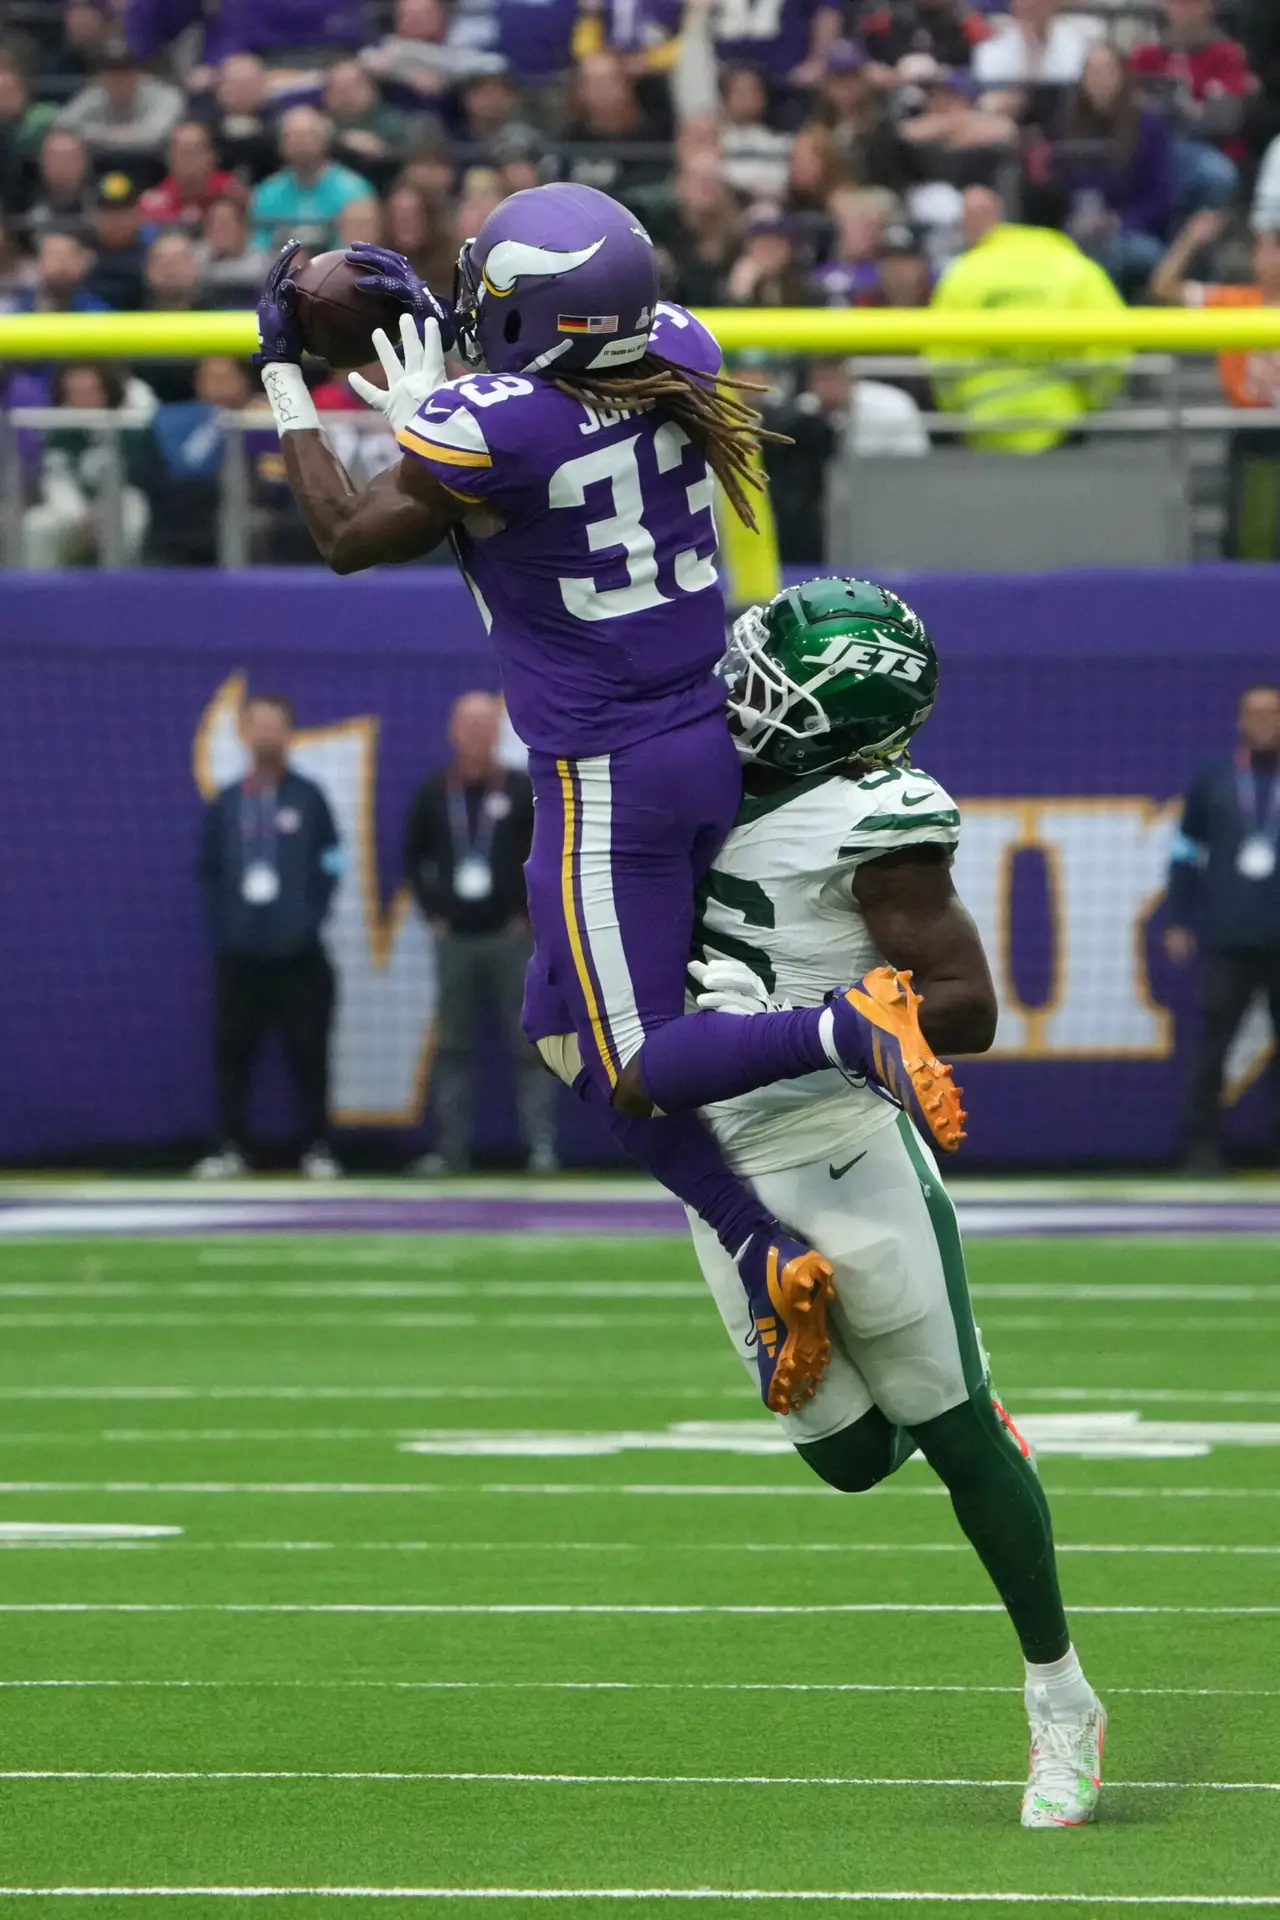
(574, 479)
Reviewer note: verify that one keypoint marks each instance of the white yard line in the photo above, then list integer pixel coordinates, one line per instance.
(56, 1535)
(699, 1895)
(461, 1489)
(451, 1776)
(188, 1436)
(693, 1318)
(526, 1607)
(1172, 1396)
(1072, 1324)
(81, 1533)
(609, 1686)
(513, 1289)
(554, 1489)
(608, 1291)
(891, 1490)
(1155, 1396)
(296, 1323)
(487, 1391)
(1119, 1290)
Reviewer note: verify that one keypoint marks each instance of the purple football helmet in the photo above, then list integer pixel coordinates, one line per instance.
(559, 278)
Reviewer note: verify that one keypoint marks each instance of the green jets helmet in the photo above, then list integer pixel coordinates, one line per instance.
(831, 671)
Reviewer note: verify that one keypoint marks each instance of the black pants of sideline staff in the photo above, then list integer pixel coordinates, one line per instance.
(255, 997)
(1229, 982)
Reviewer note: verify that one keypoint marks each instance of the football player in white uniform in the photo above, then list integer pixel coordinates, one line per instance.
(839, 868)
(840, 862)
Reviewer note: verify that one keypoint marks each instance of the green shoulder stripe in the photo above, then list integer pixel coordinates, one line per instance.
(945, 822)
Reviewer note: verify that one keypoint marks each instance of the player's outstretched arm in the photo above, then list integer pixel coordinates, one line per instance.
(917, 920)
(403, 514)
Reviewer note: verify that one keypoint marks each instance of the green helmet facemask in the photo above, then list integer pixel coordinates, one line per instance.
(831, 671)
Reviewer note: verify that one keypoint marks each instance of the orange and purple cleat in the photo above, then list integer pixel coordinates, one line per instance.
(789, 1290)
(876, 1033)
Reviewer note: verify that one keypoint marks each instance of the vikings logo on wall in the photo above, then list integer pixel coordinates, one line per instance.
(382, 954)
(1103, 862)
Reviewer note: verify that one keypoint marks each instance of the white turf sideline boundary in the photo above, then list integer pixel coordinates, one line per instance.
(645, 1894)
(16, 1537)
(615, 1686)
(1170, 1396)
(703, 1894)
(671, 1489)
(464, 1778)
(561, 1607)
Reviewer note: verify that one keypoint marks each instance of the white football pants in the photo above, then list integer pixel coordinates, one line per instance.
(903, 1337)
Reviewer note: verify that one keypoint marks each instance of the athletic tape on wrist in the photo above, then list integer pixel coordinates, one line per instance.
(292, 405)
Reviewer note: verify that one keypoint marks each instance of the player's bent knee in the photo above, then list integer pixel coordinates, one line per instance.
(561, 1055)
(630, 1095)
(857, 1458)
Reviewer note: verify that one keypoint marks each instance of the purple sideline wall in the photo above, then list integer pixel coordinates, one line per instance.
(1064, 697)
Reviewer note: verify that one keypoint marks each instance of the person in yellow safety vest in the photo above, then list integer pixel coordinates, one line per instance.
(1013, 265)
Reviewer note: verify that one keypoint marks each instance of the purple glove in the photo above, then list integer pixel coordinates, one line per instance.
(393, 275)
(278, 335)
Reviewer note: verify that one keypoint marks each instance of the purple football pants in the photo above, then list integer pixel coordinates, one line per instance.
(620, 842)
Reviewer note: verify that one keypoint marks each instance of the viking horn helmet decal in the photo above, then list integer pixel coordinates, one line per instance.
(510, 260)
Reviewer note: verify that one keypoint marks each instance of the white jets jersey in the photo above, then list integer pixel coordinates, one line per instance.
(780, 898)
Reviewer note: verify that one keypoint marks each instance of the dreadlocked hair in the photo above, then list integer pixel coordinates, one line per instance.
(711, 408)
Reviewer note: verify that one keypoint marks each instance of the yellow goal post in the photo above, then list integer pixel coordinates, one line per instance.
(793, 330)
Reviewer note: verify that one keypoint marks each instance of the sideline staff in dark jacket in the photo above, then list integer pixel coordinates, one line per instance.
(1224, 898)
(269, 862)
(466, 841)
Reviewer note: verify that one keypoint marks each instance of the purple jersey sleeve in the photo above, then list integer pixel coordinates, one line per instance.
(677, 336)
(474, 435)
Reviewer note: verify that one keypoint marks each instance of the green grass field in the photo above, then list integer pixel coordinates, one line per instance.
(520, 1660)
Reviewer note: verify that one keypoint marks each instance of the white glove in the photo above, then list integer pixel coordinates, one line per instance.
(729, 986)
(410, 383)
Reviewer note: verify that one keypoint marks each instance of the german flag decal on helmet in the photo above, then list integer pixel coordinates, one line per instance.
(587, 323)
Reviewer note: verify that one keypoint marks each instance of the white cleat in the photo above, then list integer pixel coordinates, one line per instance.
(1064, 1780)
(226, 1164)
(317, 1163)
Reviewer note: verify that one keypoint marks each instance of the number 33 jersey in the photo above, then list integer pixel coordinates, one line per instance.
(600, 590)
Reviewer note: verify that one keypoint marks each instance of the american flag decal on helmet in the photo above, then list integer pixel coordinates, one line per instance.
(587, 323)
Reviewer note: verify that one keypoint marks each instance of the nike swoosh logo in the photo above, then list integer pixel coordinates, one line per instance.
(838, 1173)
(915, 800)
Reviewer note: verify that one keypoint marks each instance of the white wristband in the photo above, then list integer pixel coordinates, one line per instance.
(292, 405)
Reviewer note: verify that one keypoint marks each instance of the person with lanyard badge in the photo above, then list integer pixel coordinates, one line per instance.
(268, 866)
(466, 841)
(1224, 903)
(260, 879)
(473, 842)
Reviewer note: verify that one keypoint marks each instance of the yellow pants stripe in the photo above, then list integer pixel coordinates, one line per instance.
(576, 943)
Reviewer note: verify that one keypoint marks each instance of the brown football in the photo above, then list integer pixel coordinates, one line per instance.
(336, 317)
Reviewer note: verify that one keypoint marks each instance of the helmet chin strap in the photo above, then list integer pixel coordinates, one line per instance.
(545, 359)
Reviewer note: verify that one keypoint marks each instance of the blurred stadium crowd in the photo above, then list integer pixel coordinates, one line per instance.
(153, 154)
